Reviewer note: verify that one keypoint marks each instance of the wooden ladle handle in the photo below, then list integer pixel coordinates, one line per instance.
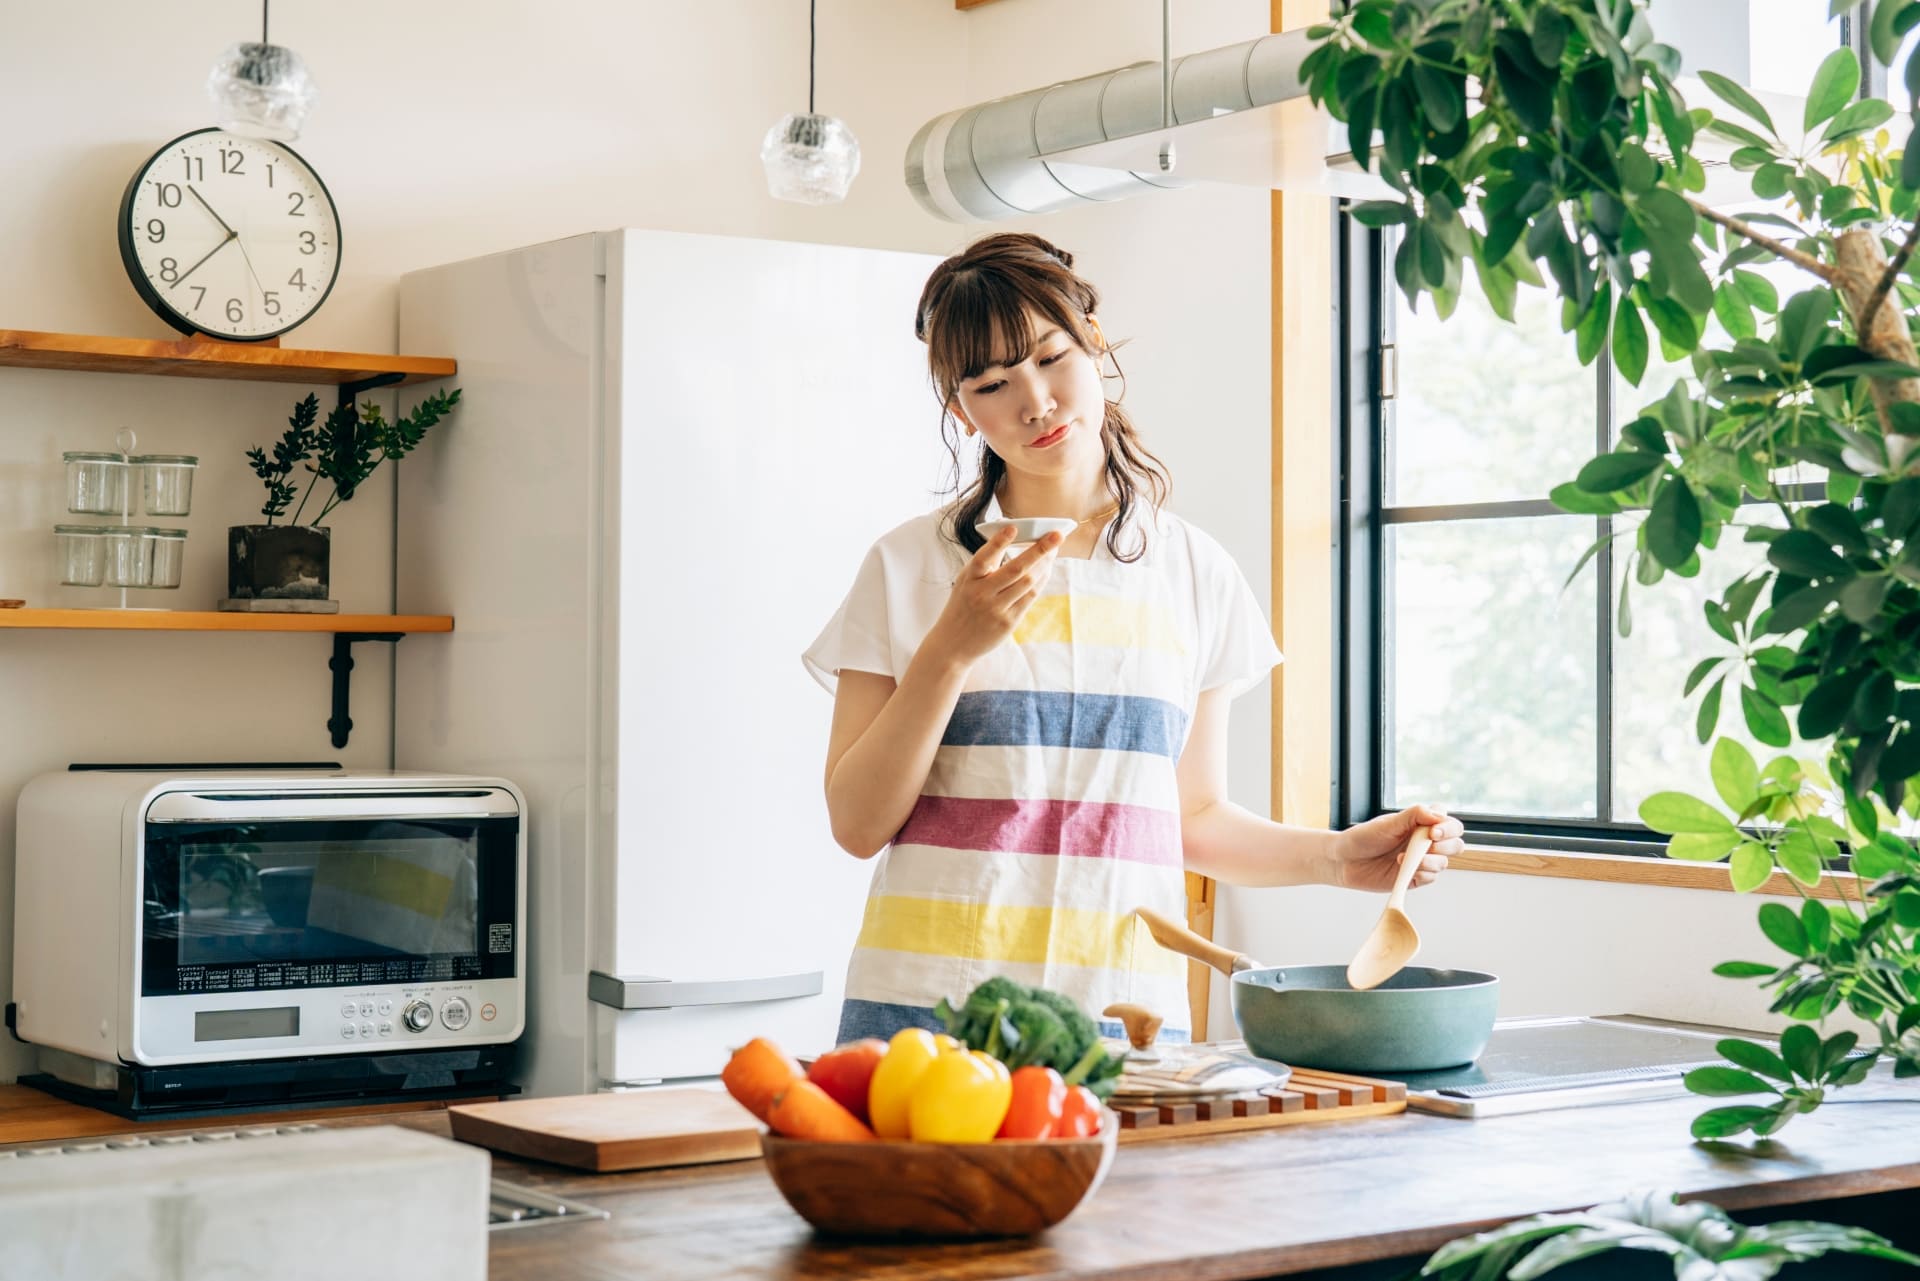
(1417, 847)
(1142, 1024)
(1178, 938)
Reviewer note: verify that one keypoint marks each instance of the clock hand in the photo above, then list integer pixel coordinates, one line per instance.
(209, 208)
(231, 235)
(250, 271)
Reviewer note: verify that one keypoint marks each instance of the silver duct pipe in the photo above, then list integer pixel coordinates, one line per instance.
(990, 161)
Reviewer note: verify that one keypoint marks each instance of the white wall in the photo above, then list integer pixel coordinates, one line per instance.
(447, 129)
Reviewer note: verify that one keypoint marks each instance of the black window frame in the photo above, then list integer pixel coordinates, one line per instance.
(1364, 367)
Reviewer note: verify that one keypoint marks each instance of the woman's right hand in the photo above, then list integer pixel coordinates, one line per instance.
(989, 599)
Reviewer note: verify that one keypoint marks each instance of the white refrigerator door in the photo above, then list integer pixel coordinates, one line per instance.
(774, 418)
(495, 526)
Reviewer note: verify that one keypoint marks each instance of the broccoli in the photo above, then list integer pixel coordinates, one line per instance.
(1032, 1025)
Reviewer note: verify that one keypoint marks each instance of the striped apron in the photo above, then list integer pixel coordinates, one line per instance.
(1050, 813)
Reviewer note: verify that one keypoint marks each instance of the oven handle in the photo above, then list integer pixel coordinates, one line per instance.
(647, 993)
(202, 807)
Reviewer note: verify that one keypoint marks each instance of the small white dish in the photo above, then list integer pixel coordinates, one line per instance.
(1027, 529)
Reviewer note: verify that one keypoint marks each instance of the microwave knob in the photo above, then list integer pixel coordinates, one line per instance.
(418, 1016)
(455, 1013)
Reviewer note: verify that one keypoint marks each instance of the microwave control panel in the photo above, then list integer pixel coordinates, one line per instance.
(210, 1027)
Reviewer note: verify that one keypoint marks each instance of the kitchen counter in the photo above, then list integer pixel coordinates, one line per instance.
(1287, 1201)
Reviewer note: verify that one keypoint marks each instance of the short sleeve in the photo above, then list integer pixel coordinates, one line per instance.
(859, 635)
(1237, 641)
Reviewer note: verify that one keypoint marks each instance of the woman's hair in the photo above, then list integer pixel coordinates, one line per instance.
(981, 296)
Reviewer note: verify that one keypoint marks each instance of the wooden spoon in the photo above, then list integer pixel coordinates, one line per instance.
(1394, 940)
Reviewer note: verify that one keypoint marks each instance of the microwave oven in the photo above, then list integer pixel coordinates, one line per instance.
(170, 919)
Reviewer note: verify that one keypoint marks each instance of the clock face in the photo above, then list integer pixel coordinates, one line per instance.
(229, 236)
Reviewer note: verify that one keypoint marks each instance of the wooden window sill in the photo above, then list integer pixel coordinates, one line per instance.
(1632, 870)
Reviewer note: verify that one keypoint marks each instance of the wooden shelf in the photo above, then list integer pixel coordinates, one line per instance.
(205, 358)
(171, 620)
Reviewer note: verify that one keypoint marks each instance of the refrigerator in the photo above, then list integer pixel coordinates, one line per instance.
(671, 453)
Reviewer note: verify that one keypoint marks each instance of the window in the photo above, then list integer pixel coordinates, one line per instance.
(1475, 673)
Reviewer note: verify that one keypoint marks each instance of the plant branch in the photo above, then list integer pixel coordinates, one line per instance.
(1892, 273)
(1778, 248)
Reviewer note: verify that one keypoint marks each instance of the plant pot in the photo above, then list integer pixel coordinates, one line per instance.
(278, 562)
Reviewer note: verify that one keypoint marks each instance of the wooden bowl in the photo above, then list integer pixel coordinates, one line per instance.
(948, 1191)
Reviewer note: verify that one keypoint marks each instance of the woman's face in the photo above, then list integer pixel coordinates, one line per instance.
(1043, 415)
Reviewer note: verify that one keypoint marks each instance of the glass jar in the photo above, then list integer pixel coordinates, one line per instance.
(96, 483)
(83, 554)
(168, 554)
(166, 482)
(129, 555)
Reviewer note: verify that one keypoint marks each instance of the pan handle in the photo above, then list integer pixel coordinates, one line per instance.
(1178, 938)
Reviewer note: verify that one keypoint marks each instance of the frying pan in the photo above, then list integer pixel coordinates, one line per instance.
(1308, 1016)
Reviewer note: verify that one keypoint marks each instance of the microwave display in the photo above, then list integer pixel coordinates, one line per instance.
(258, 906)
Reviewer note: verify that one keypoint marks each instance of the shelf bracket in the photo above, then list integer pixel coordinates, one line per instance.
(341, 664)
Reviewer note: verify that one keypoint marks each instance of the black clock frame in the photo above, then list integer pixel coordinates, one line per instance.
(130, 260)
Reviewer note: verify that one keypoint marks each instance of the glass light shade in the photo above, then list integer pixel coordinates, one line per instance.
(261, 91)
(810, 158)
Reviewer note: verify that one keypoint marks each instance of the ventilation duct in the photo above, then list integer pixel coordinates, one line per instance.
(1106, 137)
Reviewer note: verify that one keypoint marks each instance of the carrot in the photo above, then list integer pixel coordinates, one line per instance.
(805, 1111)
(757, 1073)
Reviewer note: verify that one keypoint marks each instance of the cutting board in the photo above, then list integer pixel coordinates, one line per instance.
(635, 1130)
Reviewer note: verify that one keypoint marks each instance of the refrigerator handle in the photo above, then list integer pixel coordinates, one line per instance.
(648, 993)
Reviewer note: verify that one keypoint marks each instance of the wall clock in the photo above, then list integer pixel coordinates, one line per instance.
(231, 237)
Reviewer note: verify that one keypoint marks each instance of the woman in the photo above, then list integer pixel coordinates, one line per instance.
(1039, 741)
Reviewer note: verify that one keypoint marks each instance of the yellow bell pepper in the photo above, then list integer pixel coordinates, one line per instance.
(909, 1054)
(962, 1098)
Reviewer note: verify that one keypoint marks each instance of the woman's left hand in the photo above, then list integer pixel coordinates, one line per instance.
(1366, 855)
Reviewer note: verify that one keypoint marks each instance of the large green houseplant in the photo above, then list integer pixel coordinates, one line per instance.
(1526, 133)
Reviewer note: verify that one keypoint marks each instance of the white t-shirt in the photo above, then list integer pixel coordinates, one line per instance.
(1052, 807)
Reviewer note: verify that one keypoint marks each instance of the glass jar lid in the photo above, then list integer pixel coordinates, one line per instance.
(80, 531)
(85, 456)
(166, 533)
(176, 460)
(128, 531)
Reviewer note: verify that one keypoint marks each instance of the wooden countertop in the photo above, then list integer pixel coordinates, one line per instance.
(1268, 1203)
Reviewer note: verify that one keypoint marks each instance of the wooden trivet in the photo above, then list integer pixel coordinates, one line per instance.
(1308, 1096)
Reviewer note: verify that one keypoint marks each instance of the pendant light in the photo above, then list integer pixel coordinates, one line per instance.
(261, 90)
(810, 158)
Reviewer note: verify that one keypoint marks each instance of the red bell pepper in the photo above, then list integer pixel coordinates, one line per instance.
(1038, 1096)
(1080, 1115)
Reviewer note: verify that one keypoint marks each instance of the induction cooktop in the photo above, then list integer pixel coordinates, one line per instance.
(1531, 1065)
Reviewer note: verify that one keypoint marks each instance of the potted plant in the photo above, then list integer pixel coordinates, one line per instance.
(290, 561)
(1526, 132)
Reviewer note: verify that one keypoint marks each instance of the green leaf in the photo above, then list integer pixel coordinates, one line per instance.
(1751, 865)
(1741, 970)
(1861, 599)
(1735, 775)
(1798, 858)
(1803, 323)
(1758, 289)
(1721, 1123)
(1441, 96)
(1673, 812)
(1800, 1047)
(1752, 1056)
(1834, 85)
(1571, 498)
(1881, 33)
(1591, 333)
(1725, 1080)
(1610, 473)
(1708, 718)
(1381, 213)
(1765, 720)
(1806, 555)
(1783, 929)
(1702, 847)
(1673, 526)
(1739, 99)
(1828, 703)
(1699, 673)
(1629, 341)
(1818, 922)
(1861, 117)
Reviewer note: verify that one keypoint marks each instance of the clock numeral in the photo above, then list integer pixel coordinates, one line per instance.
(299, 280)
(272, 301)
(169, 269)
(306, 242)
(230, 161)
(299, 205)
(156, 231)
(235, 312)
(168, 194)
(202, 291)
(196, 168)
(269, 177)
